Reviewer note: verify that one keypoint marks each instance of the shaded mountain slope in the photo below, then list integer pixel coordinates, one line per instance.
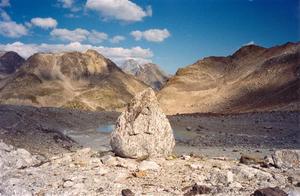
(75, 80)
(149, 73)
(10, 62)
(252, 79)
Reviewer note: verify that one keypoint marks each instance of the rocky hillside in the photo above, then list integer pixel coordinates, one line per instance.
(149, 73)
(86, 81)
(10, 62)
(252, 79)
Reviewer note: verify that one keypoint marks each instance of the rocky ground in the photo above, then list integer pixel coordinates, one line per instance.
(86, 172)
(43, 160)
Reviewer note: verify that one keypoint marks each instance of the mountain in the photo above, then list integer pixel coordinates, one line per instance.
(86, 81)
(149, 73)
(10, 62)
(252, 79)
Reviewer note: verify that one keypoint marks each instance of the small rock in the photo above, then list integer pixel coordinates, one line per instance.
(186, 157)
(127, 192)
(188, 128)
(148, 165)
(139, 174)
(68, 183)
(269, 192)
(196, 166)
(248, 160)
(197, 189)
(109, 160)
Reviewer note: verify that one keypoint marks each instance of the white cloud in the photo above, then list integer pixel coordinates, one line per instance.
(117, 39)
(152, 35)
(70, 35)
(117, 54)
(249, 43)
(79, 35)
(97, 37)
(12, 29)
(123, 10)
(66, 3)
(44, 23)
(69, 4)
(4, 3)
(4, 15)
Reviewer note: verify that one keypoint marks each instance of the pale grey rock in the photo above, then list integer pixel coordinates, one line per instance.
(148, 165)
(142, 130)
(15, 158)
(287, 158)
(109, 160)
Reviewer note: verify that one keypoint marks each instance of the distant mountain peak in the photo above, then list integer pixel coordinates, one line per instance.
(149, 73)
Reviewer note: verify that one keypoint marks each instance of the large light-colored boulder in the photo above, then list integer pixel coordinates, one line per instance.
(142, 130)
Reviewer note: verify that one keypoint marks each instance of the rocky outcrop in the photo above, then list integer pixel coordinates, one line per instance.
(85, 81)
(149, 73)
(252, 79)
(287, 158)
(10, 62)
(142, 130)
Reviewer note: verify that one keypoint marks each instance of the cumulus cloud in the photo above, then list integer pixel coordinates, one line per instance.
(79, 35)
(123, 10)
(12, 29)
(44, 23)
(152, 35)
(70, 35)
(4, 3)
(97, 37)
(117, 39)
(117, 54)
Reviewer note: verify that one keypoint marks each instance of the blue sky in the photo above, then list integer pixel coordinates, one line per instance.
(171, 33)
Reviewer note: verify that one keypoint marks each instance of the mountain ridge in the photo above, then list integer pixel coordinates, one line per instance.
(236, 83)
(77, 80)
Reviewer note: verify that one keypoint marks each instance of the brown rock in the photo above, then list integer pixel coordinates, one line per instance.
(269, 192)
(197, 189)
(127, 192)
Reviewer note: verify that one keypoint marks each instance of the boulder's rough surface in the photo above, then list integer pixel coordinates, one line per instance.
(287, 158)
(142, 130)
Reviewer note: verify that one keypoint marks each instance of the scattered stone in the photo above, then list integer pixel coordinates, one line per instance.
(196, 166)
(287, 158)
(109, 160)
(188, 128)
(127, 192)
(269, 192)
(142, 130)
(197, 189)
(248, 160)
(139, 174)
(186, 157)
(68, 183)
(148, 165)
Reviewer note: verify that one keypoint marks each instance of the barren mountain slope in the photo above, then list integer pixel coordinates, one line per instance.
(253, 78)
(9, 62)
(74, 80)
(149, 73)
